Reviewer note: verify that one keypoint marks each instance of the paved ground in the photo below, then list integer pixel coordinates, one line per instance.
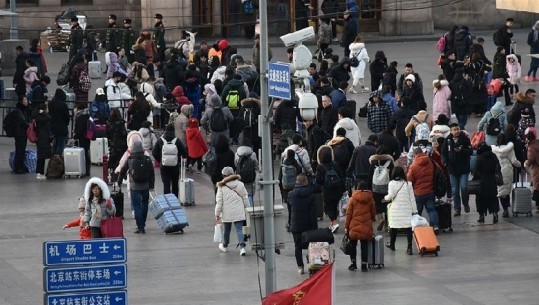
(487, 264)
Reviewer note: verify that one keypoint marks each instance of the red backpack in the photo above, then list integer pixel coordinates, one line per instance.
(440, 45)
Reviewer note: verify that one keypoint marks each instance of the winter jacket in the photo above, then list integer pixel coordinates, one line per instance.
(286, 113)
(533, 42)
(441, 100)
(532, 162)
(180, 123)
(378, 116)
(117, 136)
(302, 156)
(148, 138)
(106, 206)
(330, 195)
(44, 135)
(421, 175)
(360, 214)
(401, 195)
(339, 72)
(425, 145)
(485, 171)
(401, 83)
(114, 94)
(60, 117)
(100, 110)
(349, 32)
(138, 152)
(391, 101)
(359, 51)
(499, 67)
(338, 99)
(506, 157)
(514, 69)
(30, 76)
(441, 131)
(180, 97)
(233, 84)
(400, 119)
(205, 122)
(477, 48)
(417, 100)
(149, 94)
(462, 43)
(522, 102)
(84, 233)
(377, 69)
(376, 160)
(328, 118)
(359, 163)
(247, 73)
(173, 74)
(132, 136)
(114, 65)
(253, 105)
(504, 38)
(81, 124)
(225, 157)
(315, 137)
(196, 145)
(463, 88)
(231, 199)
(302, 208)
(324, 34)
(343, 149)
(457, 162)
(352, 130)
(168, 136)
(74, 78)
(498, 110)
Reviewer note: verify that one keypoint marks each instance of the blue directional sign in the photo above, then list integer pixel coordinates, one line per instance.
(104, 297)
(279, 80)
(89, 251)
(84, 278)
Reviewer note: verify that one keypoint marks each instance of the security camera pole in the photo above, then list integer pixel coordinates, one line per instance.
(267, 182)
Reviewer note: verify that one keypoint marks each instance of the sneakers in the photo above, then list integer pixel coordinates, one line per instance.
(466, 208)
(222, 248)
(139, 231)
(301, 270)
(390, 247)
(242, 252)
(334, 228)
(41, 177)
(352, 90)
(365, 89)
(528, 78)
(457, 213)
(353, 267)
(436, 231)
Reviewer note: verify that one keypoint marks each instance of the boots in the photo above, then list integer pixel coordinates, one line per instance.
(364, 268)
(353, 266)
(381, 222)
(494, 218)
(481, 218)
(505, 213)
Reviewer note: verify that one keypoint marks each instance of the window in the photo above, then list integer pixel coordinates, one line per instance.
(23, 3)
(75, 2)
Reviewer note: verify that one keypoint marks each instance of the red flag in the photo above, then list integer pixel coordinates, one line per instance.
(314, 290)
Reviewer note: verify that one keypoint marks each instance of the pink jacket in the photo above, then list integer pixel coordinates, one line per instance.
(440, 102)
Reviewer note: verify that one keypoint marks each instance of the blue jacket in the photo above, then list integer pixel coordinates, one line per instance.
(338, 99)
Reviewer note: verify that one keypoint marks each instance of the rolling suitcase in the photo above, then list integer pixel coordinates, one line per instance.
(187, 187)
(118, 197)
(94, 69)
(444, 216)
(162, 203)
(98, 149)
(74, 162)
(521, 197)
(376, 252)
(426, 241)
(173, 221)
(319, 255)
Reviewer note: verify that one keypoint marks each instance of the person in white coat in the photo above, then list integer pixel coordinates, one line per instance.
(148, 90)
(358, 50)
(401, 207)
(231, 201)
(352, 130)
(505, 151)
(115, 96)
(514, 70)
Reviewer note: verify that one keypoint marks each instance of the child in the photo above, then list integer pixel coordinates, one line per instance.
(514, 72)
(197, 145)
(84, 232)
(525, 122)
(148, 136)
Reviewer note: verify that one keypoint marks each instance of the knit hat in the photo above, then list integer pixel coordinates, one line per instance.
(223, 44)
(192, 122)
(227, 171)
(82, 203)
(410, 77)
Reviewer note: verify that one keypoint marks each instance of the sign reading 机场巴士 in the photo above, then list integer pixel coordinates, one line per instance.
(88, 251)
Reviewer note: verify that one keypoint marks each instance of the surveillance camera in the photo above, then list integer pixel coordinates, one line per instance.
(298, 36)
(308, 104)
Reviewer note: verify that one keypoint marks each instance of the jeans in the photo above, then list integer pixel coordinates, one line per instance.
(239, 233)
(427, 201)
(59, 145)
(170, 175)
(459, 185)
(491, 100)
(139, 200)
(364, 251)
(462, 118)
(251, 200)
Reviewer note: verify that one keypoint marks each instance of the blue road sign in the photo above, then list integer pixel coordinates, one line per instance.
(279, 80)
(88, 251)
(89, 298)
(84, 278)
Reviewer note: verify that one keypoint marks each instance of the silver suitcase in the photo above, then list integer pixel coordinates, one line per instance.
(187, 187)
(376, 252)
(98, 149)
(521, 198)
(94, 69)
(74, 162)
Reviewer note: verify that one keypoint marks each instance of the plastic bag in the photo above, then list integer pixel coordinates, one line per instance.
(218, 233)
(343, 202)
(418, 221)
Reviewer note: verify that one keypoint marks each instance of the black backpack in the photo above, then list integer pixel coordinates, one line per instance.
(249, 118)
(457, 98)
(10, 123)
(140, 168)
(440, 182)
(218, 121)
(332, 181)
(494, 127)
(247, 169)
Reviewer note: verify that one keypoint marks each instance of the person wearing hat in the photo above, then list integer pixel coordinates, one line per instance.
(128, 39)
(231, 201)
(84, 232)
(158, 37)
(112, 38)
(412, 91)
(76, 37)
(256, 53)
(99, 109)
(408, 69)
(378, 112)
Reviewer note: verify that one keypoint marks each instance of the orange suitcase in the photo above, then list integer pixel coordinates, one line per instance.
(426, 241)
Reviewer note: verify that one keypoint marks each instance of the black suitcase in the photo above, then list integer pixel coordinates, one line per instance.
(444, 216)
(118, 197)
(318, 235)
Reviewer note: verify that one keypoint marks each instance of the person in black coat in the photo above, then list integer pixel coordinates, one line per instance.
(20, 67)
(504, 36)
(43, 145)
(390, 77)
(461, 91)
(249, 111)
(331, 196)
(390, 142)
(303, 215)
(173, 73)
(39, 89)
(341, 72)
(117, 138)
(484, 171)
(82, 115)
(22, 123)
(359, 165)
(343, 149)
(286, 113)
(329, 115)
(60, 117)
(463, 42)
(377, 68)
(225, 157)
(349, 33)
(400, 119)
(138, 112)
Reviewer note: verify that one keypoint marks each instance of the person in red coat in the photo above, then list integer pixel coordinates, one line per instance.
(84, 232)
(180, 97)
(196, 146)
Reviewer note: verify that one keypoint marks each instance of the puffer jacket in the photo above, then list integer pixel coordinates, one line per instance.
(352, 130)
(523, 102)
(89, 216)
(302, 208)
(359, 51)
(43, 131)
(231, 199)
(402, 204)
(196, 144)
(498, 110)
(441, 98)
(514, 69)
(532, 162)
(302, 156)
(507, 158)
(180, 97)
(180, 122)
(421, 175)
(376, 160)
(360, 214)
(30, 76)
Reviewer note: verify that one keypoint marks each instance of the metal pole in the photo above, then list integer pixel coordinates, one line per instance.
(267, 160)
(13, 32)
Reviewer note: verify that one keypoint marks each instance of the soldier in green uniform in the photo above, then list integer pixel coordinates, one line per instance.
(128, 40)
(76, 37)
(158, 38)
(112, 34)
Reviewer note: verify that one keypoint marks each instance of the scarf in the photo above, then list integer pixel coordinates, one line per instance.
(97, 206)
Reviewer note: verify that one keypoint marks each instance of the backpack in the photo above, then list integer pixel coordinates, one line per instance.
(248, 7)
(233, 99)
(169, 153)
(439, 181)
(332, 180)
(10, 123)
(84, 82)
(457, 99)
(210, 162)
(218, 121)
(31, 132)
(247, 169)
(422, 130)
(440, 45)
(380, 179)
(63, 76)
(494, 127)
(140, 168)
(91, 130)
(56, 167)
(289, 174)
(249, 118)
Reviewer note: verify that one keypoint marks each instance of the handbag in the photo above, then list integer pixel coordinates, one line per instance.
(474, 187)
(498, 174)
(363, 111)
(346, 245)
(112, 227)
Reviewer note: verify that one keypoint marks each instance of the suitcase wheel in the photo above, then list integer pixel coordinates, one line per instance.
(436, 253)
